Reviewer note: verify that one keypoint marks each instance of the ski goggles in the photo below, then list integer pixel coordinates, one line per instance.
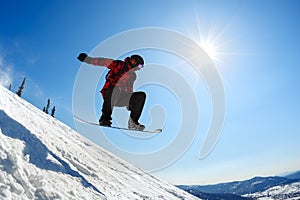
(140, 66)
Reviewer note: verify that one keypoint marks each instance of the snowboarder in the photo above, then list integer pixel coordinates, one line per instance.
(118, 88)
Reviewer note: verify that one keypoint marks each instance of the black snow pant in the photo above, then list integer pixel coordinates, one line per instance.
(113, 97)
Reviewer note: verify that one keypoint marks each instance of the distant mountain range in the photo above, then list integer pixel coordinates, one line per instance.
(241, 190)
(294, 175)
(209, 196)
(286, 192)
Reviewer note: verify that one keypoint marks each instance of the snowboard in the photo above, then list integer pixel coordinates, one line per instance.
(116, 127)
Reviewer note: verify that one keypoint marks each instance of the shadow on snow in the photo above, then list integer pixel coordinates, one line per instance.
(36, 150)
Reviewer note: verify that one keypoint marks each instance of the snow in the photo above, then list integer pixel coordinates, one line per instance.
(42, 158)
(288, 191)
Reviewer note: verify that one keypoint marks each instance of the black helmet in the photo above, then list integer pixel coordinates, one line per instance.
(138, 59)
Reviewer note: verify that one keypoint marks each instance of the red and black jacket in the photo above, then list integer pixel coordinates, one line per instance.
(121, 74)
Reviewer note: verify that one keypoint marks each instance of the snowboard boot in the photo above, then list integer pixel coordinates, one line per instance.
(105, 121)
(135, 126)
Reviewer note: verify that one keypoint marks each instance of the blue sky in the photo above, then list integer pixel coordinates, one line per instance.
(256, 45)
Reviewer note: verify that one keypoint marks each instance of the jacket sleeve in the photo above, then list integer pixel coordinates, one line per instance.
(106, 62)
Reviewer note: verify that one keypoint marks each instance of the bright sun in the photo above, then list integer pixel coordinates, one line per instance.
(210, 48)
(211, 39)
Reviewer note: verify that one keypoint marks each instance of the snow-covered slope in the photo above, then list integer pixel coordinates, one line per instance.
(42, 158)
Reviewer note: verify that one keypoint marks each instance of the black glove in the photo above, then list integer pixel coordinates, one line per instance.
(82, 57)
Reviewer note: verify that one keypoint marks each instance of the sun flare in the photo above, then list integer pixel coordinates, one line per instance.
(211, 39)
(210, 48)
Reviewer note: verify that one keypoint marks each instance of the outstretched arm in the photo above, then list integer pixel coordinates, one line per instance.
(83, 57)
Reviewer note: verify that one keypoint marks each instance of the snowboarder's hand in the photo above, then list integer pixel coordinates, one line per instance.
(82, 57)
